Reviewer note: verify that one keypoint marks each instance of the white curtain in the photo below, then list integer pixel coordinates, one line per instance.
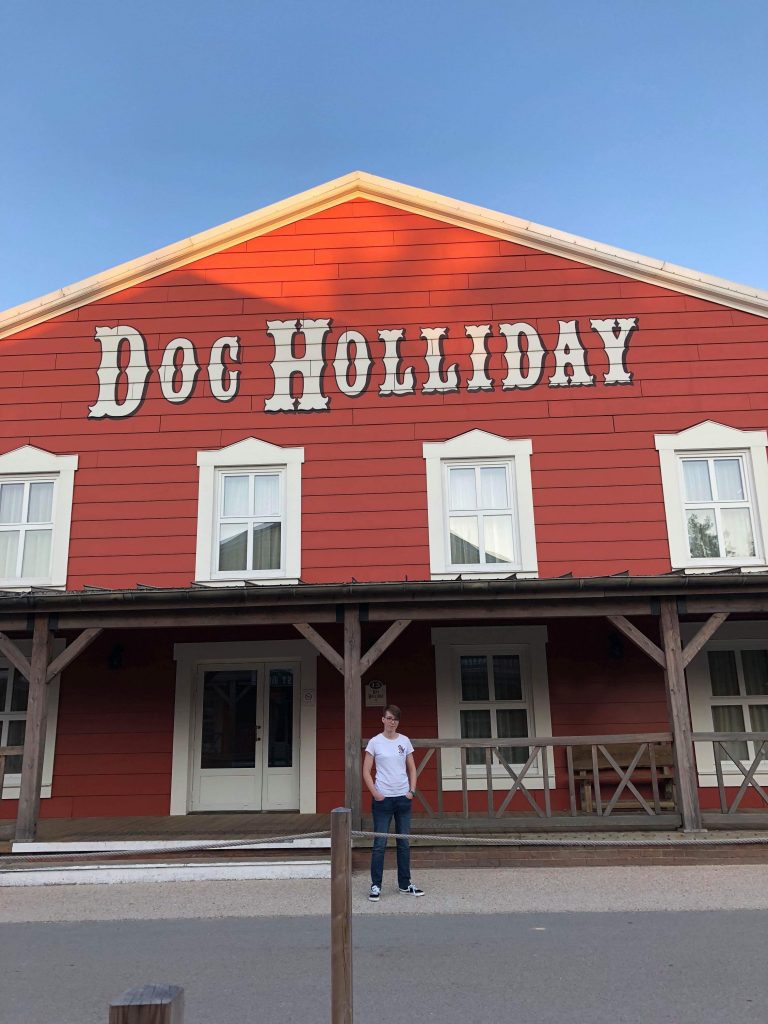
(493, 487)
(730, 486)
(11, 503)
(40, 502)
(36, 560)
(696, 476)
(462, 489)
(236, 496)
(738, 539)
(9, 550)
(266, 546)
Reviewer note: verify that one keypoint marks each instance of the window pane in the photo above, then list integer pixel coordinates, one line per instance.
(40, 502)
(507, 679)
(36, 560)
(9, 551)
(3, 687)
(513, 722)
(280, 753)
(499, 545)
(722, 673)
(11, 503)
(493, 487)
(464, 540)
(475, 725)
(233, 547)
(462, 488)
(730, 718)
(755, 666)
(229, 720)
(702, 533)
(696, 479)
(266, 496)
(236, 496)
(266, 546)
(730, 485)
(474, 677)
(759, 715)
(16, 730)
(20, 693)
(737, 533)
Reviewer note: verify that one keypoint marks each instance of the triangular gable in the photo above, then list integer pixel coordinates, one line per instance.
(360, 185)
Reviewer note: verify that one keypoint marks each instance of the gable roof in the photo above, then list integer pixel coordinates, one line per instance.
(360, 185)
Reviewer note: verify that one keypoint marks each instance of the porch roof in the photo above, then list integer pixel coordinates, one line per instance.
(564, 596)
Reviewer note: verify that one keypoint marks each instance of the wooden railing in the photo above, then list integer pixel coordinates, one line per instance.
(606, 767)
(744, 777)
(5, 753)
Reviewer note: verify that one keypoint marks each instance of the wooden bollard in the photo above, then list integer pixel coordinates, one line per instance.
(151, 1004)
(341, 916)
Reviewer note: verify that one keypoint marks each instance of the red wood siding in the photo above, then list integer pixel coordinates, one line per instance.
(597, 488)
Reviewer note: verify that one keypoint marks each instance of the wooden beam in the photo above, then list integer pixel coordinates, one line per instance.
(353, 700)
(341, 916)
(692, 648)
(321, 644)
(377, 649)
(638, 639)
(686, 781)
(34, 736)
(14, 655)
(70, 652)
(150, 1004)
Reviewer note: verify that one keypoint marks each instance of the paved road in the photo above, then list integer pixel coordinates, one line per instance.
(538, 965)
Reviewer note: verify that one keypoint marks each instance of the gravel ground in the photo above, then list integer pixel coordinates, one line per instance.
(477, 890)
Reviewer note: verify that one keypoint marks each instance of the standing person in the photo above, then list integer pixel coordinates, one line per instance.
(392, 797)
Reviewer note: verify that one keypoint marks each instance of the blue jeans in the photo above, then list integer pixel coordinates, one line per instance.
(399, 808)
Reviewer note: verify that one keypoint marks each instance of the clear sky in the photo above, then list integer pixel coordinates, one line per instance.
(128, 126)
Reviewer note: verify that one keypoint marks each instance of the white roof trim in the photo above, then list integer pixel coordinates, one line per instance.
(358, 185)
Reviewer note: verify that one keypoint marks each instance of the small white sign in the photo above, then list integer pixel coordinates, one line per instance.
(308, 696)
(375, 694)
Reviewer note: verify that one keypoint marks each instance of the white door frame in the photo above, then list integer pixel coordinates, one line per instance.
(190, 658)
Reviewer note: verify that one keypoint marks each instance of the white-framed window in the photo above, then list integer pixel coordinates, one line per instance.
(480, 506)
(36, 490)
(728, 687)
(14, 692)
(715, 483)
(249, 514)
(492, 683)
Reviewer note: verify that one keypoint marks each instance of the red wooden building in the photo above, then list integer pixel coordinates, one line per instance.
(374, 444)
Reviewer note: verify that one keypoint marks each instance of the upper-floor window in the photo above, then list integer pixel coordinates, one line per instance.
(249, 513)
(715, 482)
(480, 506)
(35, 515)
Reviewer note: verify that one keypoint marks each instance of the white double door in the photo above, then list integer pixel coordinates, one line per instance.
(245, 737)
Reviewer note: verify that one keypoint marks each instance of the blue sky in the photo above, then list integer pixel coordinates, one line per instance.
(130, 126)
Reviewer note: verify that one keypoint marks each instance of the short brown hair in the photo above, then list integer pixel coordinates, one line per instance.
(394, 710)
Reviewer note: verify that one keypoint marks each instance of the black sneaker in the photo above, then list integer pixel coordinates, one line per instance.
(374, 894)
(412, 890)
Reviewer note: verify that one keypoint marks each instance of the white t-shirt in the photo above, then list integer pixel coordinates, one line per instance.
(389, 757)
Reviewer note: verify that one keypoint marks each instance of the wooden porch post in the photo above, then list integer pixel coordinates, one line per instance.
(353, 677)
(34, 737)
(680, 717)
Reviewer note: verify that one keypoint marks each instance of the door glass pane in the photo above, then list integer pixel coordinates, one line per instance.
(229, 720)
(233, 547)
(235, 496)
(702, 533)
(730, 485)
(722, 673)
(507, 678)
(474, 677)
(40, 502)
(36, 560)
(11, 503)
(266, 494)
(499, 546)
(513, 722)
(280, 753)
(16, 729)
(738, 539)
(9, 551)
(729, 718)
(475, 725)
(266, 546)
(493, 487)
(20, 693)
(759, 715)
(462, 488)
(464, 540)
(696, 479)
(755, 666)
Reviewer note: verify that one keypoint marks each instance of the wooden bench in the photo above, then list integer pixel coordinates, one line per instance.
(624, 754)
